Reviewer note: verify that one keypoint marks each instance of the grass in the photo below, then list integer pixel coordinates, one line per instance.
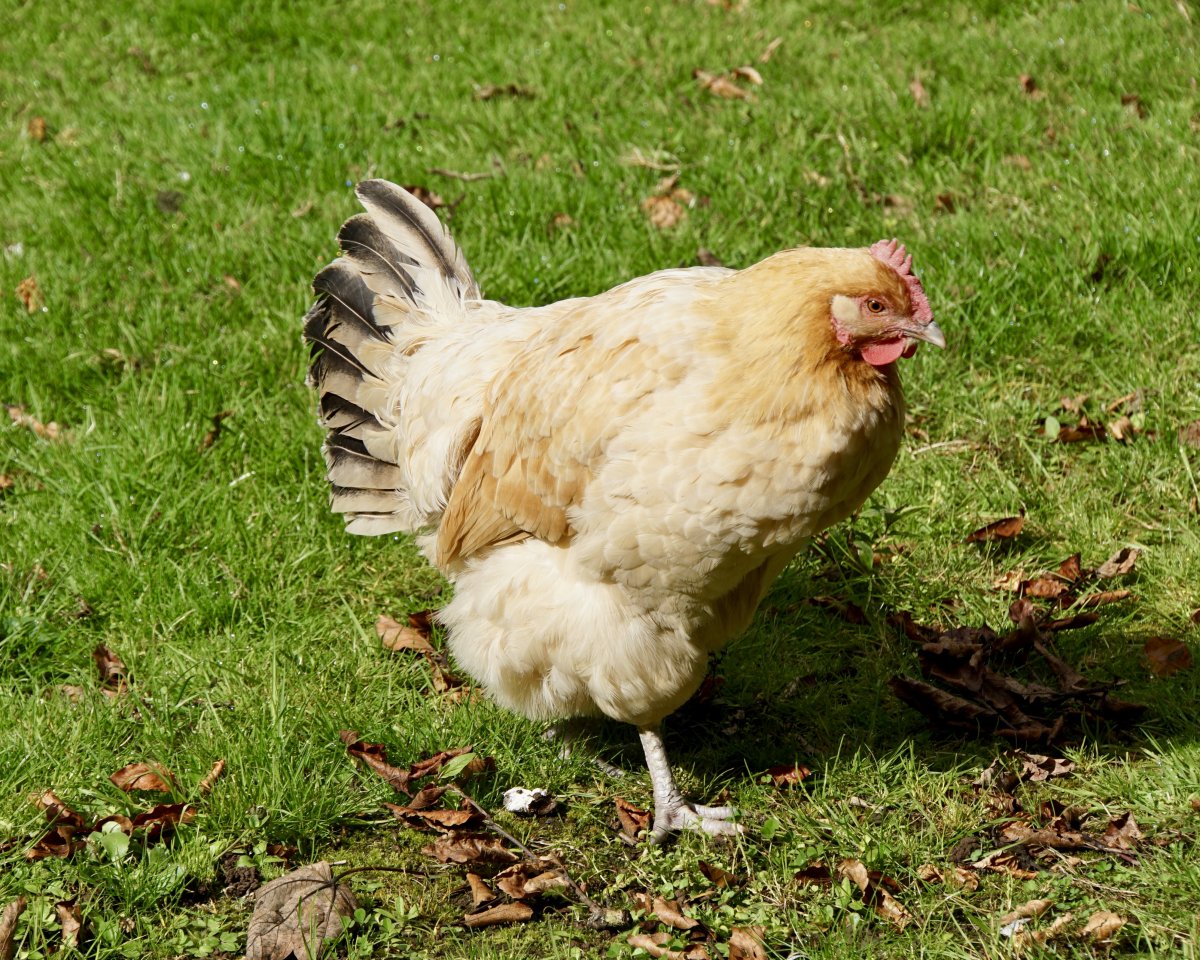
(196, 163)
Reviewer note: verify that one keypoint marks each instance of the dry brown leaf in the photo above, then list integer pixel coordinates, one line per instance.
(161, 820)
(493, 90)
(37, 129)
(1189, 435)
(1119, 564)
(295, 914)
(670, 913)
(999, 861)
(1122, 833)
(717, 876)
(481, 893)
(1166, 656)
(560, 221)
(502, 913)
(720, 85)
(788, 774)
(960, 877)
(749, 74)
(1043, 588)
(1037, 768)
(1104, 597)
(211, 777)
(8, 927)
(1009, 582)
(70, 920)
(874, 887)
(1020, 161)
(1133, 103)
(1103, 925)
(374, 755)
(214, 432)
(527, 879)
(746, 943)
(432, 200)
(919, 94)
(469, 848)
(633, 819)
(397, 637)
(143, 776)
(654, 944)
(769, 52)
(1029, 87)
(816, 874)
(1026, 911)
(30, 294)
(47, 431)
(446, 821)
(1004, 529)
(664, 211)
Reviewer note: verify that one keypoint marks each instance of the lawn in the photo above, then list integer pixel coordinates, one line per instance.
(172, 176)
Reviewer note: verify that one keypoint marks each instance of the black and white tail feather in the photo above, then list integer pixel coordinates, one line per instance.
(400, 277)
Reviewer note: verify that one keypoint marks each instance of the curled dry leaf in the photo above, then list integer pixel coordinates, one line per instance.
(1004, 529)
(746, 943)
(1122, 833)
(70, 921)
(919, 94)
(162, 819)
(718, 876)
(876, 890)
(958, 877)
(769, 52)
(446, 821)
(374, 755)
(633, 819)
(143, 776)
(481, 893)
(397, 637)
(30, 294)
(1103, 598)
(1026, 911)
(8, 927)
(664, 212)
(295, 914)
(1166, 656)
(1119, 564)
(748, 74)
(47, 431)
(666, 911)
(788, 775)
(469, 848)
(211, 777)
(1189, 435)
(720, 85)
(1102, 925)
(526, 879)
(503, 913)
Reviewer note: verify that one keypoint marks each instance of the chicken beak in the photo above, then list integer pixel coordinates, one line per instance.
(930, 333)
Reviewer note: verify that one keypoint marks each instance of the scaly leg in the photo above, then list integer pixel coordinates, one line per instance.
(671, 812)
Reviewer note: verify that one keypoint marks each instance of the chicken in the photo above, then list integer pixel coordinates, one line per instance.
(613, 482)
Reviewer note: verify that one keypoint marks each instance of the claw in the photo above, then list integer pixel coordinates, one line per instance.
(671, 812)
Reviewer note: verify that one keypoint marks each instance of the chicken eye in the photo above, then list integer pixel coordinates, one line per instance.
(875, 306)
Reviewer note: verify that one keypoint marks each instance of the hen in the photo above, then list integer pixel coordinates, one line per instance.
(611, 482)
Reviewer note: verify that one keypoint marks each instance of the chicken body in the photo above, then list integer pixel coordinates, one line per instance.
(612, 483)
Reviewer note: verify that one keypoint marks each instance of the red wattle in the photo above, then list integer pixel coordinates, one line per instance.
(881, 354)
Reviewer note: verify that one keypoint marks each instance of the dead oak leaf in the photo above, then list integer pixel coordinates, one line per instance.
(30, 294)
(1122, 833)
(876, 889)
(469, 848)
(503, 913)
(47, 431)
(633, 819)
(295, 914)
(143, 776)
(8, 926)
(717, 876)
(663, 212)
(70, 921)
(1103, 925)
(1005, 529)
(666, 911)
(788, 774)
(211, 777)
(746, 943)
(1119, 564)
(1166, 656)
(394, 636)
(721, 85)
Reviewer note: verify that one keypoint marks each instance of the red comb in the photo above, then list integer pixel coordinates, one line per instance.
(892, 253)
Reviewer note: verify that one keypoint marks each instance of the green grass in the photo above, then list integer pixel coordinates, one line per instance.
(195, 142)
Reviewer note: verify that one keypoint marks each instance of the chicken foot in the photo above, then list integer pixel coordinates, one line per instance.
(671, 812)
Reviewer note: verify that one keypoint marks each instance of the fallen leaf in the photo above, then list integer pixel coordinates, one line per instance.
(481, 893)
(37, 129)
(446, 821)
(70, 920)
(114, 675)
(717, 876)
(1026, 911)
(633, 819)
(397, 637)
(1029, 87)
(1119, 564)
(432, 200)
(1122, 833)
(1019, 160)
(945, 203)
(1000, 861)
(168, 201)
(211, 777)
(214, 432)
(374, 755)
(874, 887)
(469, 848)
(746, 943)
(919, 94)
(1037, 768)
(816, 874)
(143, 776)
(1189, 435)
(1043, 588)
(30, 294)
(1103, 925)
(526, 879)
(162, 819)
(8, 927)
(1166, 656)
(668, 912)
(748, 74)
(769, 52)
(1004, 529)
(654, 944)
(47, 431)
(788, 775)
(1104, 597)
(664, 212)
(492, 90)
(502, 913)
(720, 85)
(1133, 103)
(560, 221)
(707, 258)
(295, 914)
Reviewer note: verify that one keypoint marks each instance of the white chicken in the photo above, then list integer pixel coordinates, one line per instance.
(611, 482)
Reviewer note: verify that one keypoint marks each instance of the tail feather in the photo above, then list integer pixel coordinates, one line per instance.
(400, 276)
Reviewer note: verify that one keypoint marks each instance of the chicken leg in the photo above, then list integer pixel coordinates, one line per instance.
(671, 812)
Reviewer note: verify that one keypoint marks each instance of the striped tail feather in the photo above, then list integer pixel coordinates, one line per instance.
(399, 274)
